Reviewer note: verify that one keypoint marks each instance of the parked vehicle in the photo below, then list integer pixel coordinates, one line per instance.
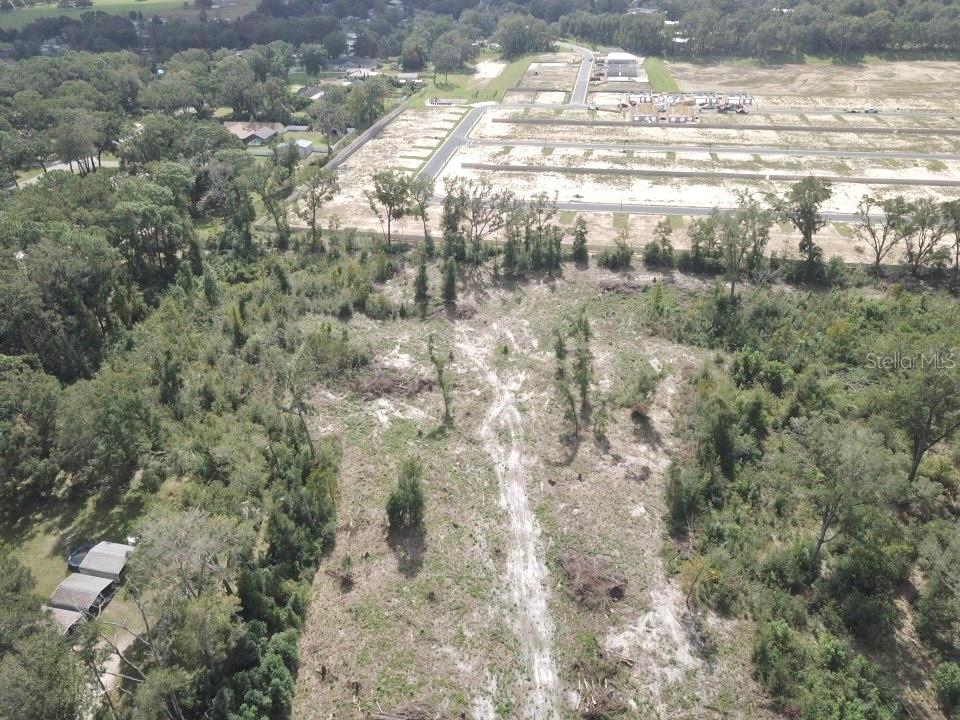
(77, 555)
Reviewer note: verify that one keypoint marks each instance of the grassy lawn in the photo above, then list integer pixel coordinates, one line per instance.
(659, 76)
(318, 139)
(461, 85)
(44, 536)
(18, 17)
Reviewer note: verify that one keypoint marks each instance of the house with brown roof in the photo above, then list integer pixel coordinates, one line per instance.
(254, 133)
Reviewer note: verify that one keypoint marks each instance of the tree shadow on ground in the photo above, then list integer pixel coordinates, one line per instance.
(644, 431)
(82, 515)
(409, 546)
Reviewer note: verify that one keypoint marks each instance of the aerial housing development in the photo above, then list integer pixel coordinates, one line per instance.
(412, 360)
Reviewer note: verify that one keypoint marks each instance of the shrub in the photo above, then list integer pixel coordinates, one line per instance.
(637, 387)
(684, 496)
(779, 659)
(406, 503)
(946, 679)
(378, 307)
(790, 568)
(618, 258)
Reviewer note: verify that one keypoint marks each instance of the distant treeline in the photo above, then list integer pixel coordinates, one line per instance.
(697, 27)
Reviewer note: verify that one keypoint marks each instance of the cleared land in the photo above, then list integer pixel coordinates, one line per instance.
(611, 171)
(478, 616)
(925, 84)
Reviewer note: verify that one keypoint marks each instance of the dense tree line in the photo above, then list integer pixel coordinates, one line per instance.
(759, 30)
(821, 471)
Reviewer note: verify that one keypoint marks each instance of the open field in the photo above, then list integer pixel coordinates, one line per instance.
(18, 17)
(490, 80)
(475, 617)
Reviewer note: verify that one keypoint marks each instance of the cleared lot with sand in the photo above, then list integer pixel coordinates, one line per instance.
(922, 84)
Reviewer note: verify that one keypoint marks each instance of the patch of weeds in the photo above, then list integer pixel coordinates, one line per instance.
(714, 157)
(587, 153)
(671, 155)
(621, 221)
(567, 217)
(546, 152)
(502, 354)
(843, 229)
(676, 221)
(936, 166)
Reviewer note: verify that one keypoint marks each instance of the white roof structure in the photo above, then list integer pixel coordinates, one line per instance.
(106, 560)
(79, 592)
(621, 57)
(66, 620)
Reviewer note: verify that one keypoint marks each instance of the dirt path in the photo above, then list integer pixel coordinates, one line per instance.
(501, 433)
(659, 641)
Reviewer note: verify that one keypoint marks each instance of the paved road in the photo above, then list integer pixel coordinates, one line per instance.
(761, 110)
(66, 168)
(582, 85)
(723, 149)
(454, 141)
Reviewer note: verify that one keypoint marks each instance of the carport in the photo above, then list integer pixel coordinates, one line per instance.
(66, 620)
(82, 593)
(106, 560)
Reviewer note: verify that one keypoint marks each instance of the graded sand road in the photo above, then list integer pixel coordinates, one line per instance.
(525, 571)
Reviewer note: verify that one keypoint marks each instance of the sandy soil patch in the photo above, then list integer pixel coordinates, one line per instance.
(682, 191)
(519, 96)
(915, 83)
(551, 98)
(488, 69)
(420, 128)
(693, 161)
(488, 129)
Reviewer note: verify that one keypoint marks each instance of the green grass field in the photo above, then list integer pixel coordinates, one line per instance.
(18, 17)
(659, 76)
(462, 85)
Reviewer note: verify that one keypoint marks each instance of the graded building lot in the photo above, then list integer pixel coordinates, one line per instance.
(921, 84)
(552, 71)
(404, 144)
(557, 148)
(495, 125)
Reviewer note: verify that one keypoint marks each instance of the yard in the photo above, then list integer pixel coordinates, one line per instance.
(658, 75)
(464, 86)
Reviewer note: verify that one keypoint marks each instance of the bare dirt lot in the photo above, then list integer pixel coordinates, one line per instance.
(404, 144)
(925, 84)
(552, 71)
(476, 617)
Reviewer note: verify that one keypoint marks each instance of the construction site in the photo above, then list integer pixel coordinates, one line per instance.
(591, 131)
